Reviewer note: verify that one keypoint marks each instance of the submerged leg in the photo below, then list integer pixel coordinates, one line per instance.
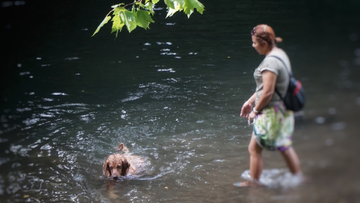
(256, 164)
(256, 160)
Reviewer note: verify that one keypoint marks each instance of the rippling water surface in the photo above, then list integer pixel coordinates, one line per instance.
(172, 95)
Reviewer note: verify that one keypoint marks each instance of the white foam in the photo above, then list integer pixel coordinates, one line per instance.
(276, 178)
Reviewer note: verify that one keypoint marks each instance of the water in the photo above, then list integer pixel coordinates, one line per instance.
(172, 94)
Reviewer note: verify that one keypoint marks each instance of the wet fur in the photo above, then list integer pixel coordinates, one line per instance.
(117, 165)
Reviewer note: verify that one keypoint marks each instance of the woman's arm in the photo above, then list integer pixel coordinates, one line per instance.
(269, 81)
(251, 100)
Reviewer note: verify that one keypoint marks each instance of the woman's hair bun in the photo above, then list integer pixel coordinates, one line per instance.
(278, 39)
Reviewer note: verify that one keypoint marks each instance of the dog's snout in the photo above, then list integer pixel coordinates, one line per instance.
(115, 177)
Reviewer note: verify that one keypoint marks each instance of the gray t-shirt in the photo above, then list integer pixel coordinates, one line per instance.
(276, 66)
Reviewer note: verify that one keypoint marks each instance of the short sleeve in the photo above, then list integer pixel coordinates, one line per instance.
(269, 64)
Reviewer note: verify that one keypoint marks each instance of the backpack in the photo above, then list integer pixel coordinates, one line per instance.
(295, 95)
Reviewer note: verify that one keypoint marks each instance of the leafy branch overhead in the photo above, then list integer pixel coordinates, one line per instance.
(139, 15)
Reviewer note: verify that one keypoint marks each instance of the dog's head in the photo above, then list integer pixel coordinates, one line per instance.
(115, 166)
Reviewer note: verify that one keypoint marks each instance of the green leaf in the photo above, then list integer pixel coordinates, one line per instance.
(150, 7)
(106, 20)
(199, 6)
(117, 10)
(169, 3)
(117, 5)
(114, 6)
(188, 8)
(190, 5)
(143, 19)
(118, 24)
(140, 5)
(140, 14)
(171, 11)
(129, 19)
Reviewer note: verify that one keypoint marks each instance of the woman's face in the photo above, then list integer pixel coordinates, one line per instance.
(260, 49)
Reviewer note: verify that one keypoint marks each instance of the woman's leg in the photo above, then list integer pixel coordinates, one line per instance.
(292, 160)
(256, 161)
(256, 164)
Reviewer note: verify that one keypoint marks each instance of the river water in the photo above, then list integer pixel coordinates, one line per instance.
(172, 94)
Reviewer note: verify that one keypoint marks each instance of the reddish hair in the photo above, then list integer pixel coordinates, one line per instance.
(265, 33)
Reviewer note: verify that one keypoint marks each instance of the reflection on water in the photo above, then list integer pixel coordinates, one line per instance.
(174, 97)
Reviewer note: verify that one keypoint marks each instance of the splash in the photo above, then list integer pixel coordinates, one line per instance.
(276, 178)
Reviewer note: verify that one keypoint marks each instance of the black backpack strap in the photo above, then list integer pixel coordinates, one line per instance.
(290, 74)
(279, 94)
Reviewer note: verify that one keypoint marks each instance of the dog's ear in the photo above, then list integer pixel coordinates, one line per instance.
(106, 169)
(121, 146)
(124, 167)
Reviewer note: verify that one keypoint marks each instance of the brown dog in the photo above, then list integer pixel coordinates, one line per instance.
(117, 165)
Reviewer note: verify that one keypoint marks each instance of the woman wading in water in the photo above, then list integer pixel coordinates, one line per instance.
(273, 124)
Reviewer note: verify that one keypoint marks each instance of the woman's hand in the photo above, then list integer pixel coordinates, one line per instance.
(246, 109)
(252, 115)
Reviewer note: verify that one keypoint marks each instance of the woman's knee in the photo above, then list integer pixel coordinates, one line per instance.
(254, 148)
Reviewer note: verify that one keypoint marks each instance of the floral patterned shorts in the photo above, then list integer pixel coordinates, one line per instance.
(273, 128)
